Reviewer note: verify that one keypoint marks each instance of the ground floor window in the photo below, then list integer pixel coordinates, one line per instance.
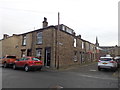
(39, 52)
(23, 52)
(82, 57)
(75, 56)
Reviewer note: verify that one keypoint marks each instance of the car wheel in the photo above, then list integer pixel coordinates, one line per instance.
(99, 69)
(114, 69)
(118, 65)
(14, 67)
(26, 68)
(40, 68)
(5, 65)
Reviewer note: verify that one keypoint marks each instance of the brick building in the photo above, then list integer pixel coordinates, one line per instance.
(56, 48)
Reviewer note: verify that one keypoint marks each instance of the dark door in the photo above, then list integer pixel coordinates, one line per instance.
(81, 57)
(47, 60)
(29, 53)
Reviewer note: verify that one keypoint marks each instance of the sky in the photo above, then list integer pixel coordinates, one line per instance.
(88, 18)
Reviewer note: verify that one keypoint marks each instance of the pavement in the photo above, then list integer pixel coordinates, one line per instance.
(117, 73)
(69, 67)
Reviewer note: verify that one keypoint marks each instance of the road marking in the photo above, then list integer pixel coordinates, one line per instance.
(97, 77)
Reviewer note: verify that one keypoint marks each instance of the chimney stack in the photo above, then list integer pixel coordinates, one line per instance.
(5, 36)
(45, 23)
(79, 36)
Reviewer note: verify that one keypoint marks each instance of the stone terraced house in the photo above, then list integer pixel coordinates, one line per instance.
(56, 48)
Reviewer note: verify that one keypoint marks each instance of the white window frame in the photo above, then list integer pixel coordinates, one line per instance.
(63, 28)
(82, 45)
(39, 38)
(38, 52)
(69, 30)
(24, 42)
(75, 42)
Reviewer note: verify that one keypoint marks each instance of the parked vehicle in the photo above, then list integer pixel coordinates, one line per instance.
(107, 63)
(1, 60)
(28, 63)
(8, 61)
(117, 59)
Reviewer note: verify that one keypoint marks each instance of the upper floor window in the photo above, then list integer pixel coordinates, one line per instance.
(91, 47)
(63, 28)
(69, 30)
(24, 40)
(82, 45)
(75, 42)
(39, 38)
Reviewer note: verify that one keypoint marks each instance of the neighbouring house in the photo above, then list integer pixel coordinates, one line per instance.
(112, 50)
(56, 48)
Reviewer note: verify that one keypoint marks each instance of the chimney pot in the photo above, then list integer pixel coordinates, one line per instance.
(5, 36)
(45, 23)
(14, 34)
(79, 36)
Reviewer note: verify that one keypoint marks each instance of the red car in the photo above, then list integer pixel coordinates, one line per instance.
(8, 61)
(28, 63)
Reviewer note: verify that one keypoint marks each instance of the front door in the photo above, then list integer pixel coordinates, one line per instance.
(82, 57)
(47, 60)
(29, 52)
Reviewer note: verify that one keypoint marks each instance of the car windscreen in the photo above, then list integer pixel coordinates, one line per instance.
(35, 59)
(106, 59)
(11, 56)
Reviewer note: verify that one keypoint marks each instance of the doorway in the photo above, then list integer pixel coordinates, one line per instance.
(81, 57)
(47, 59)
(29, 52)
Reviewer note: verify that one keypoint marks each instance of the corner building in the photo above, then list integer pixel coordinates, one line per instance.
(56, 48)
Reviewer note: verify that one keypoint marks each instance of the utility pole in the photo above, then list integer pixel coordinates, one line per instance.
(58, 40)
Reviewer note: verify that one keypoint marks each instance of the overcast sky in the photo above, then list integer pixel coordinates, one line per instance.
(89, 18)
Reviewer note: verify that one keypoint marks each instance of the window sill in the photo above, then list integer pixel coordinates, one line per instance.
(23, 45)
(39, 44)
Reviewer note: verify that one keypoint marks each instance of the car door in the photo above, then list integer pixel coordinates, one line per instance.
(19, 62)
(23, 61)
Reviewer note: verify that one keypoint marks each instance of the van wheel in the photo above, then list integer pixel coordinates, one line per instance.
(26, 68)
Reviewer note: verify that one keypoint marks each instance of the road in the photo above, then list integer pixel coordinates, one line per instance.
(86, 76)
